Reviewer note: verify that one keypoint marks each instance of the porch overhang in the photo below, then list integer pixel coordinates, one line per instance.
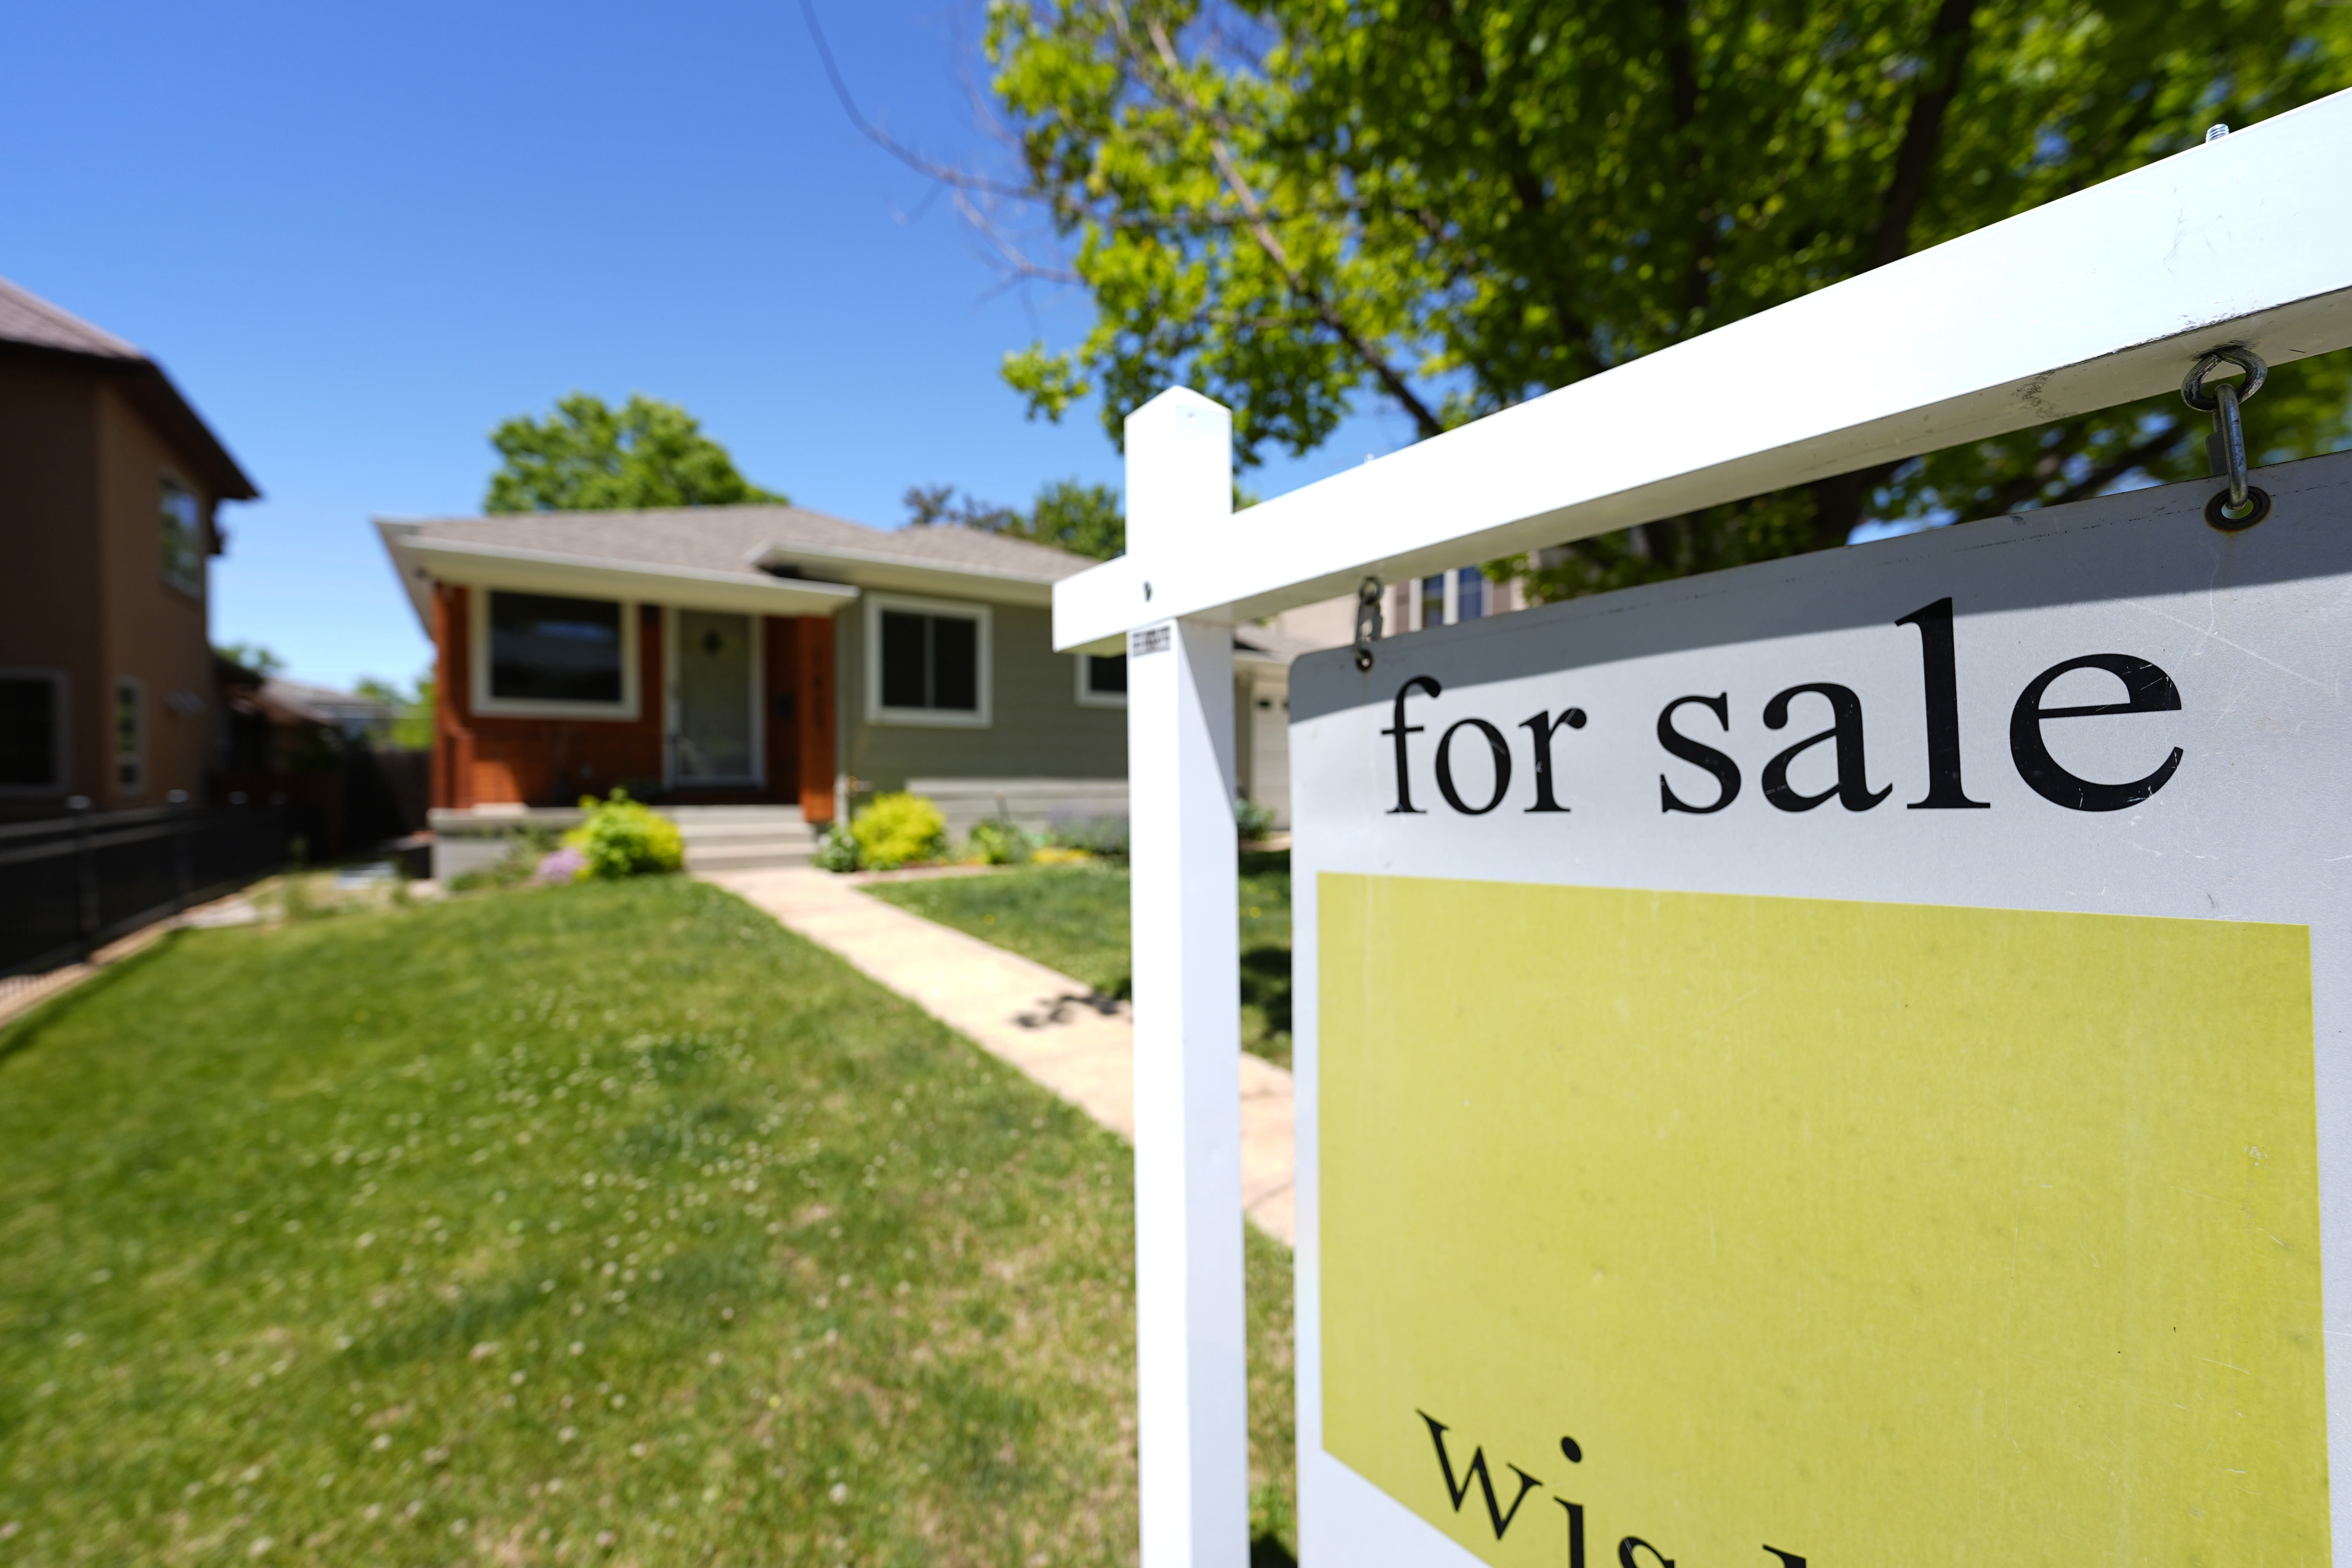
(898, 573)
(422, 559)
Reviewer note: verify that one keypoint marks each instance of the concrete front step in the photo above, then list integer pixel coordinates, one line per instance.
(726, 831)
(743, 838)
(685, 815)
(718, 837)
(702, 858)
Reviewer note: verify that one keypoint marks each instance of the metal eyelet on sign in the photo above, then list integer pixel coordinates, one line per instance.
(2219, 517)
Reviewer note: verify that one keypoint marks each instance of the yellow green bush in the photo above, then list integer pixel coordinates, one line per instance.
(898, 829)
(623, 837)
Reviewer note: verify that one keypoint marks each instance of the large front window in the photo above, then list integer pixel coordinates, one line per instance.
(1102, 681)
(928, 662)
(545, 649)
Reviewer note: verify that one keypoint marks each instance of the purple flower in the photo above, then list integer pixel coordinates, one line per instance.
(562, 865)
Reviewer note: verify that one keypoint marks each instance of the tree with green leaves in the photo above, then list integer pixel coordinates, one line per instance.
(1085, 520)
(1443, 208)
(252, 656)
(589, 456)
(412, 711)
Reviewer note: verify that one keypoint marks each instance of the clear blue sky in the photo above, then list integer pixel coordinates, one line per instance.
(358, 237)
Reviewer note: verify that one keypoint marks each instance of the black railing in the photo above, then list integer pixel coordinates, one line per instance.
(69, 884)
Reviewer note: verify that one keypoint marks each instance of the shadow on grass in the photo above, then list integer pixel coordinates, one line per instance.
(21, 1032)
(1266, 1551)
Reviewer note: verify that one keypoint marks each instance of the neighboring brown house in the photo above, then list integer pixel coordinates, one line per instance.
(109, 484)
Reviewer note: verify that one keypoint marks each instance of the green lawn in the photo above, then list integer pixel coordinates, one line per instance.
(1074, 919)
(607, 1222)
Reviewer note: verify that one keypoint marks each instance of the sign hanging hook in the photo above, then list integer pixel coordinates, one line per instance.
(2242, 505)
(1368, 620)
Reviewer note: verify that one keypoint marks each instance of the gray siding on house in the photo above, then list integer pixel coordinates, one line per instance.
(1037, 729)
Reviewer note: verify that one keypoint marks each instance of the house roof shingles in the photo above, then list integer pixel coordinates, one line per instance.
(738, 538)
(31, 325)
(32, 320)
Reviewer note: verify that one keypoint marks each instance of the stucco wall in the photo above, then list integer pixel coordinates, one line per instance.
(1037, 729)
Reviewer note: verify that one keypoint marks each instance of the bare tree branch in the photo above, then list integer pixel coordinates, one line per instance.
(1261, 230)
(1060, 204)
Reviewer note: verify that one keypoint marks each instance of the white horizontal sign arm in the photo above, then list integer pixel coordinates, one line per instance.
(2097, 299)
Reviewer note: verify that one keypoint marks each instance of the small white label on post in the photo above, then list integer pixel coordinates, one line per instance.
(1150, 639)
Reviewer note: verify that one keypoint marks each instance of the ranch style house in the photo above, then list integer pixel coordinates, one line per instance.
(757, 671)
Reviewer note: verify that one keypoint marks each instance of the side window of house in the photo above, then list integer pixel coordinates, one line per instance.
(130, 734)
(183, 537)
(930, 662)
(1102, 679)
(32, 728)
(550, 650)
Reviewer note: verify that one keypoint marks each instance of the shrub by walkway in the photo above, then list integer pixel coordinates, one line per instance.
(607, 1221)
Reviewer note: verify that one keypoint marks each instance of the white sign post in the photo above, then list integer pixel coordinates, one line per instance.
(2104, 297)
(1188, 1173)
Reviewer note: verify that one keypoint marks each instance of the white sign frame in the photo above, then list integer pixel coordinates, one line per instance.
(2212, 842)
(2101, 298)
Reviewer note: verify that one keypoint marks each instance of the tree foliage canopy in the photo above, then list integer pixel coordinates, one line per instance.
(588, 457)
(1084, 518)
(1448, 207)
(252, 656)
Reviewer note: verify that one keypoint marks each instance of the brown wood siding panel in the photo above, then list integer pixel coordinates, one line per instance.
(449, 696)
(780, 690)
(814, 715)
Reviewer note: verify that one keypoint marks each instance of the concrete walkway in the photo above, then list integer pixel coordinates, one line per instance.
(1041, 1021)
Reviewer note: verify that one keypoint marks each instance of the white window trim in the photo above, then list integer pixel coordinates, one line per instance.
(758, 777)
(137, 758)
(477, 658)
(1088, 696)
(60, 736)
(933, 717)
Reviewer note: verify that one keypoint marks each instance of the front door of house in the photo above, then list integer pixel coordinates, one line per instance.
(714, 734)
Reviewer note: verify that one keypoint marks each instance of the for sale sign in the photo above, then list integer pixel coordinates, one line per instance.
(1839, 1062)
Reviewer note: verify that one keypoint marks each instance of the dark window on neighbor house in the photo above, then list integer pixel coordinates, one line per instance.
(1469, 593)
(130, 734)
(1433, 602)
(546, 649)
(930, 661)
(1106, 674)
(32, 714)
(183, 537)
